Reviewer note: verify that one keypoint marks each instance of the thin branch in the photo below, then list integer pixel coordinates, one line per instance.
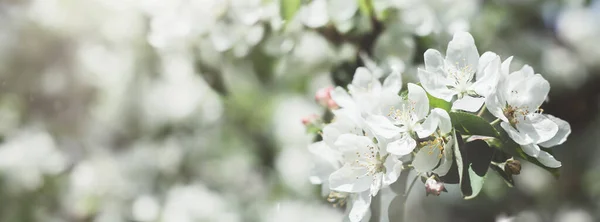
(482, 111)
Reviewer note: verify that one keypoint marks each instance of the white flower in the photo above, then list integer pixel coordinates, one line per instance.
(517, 102)
(407, 117)
(435, 156)
(462, 73)
(366, 170)
(350, 163)
(366, 166)
(318, 13)
(367, 94)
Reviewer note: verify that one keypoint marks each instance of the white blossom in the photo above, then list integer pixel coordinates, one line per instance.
(407, 119)
(462, 73)
(517, 103)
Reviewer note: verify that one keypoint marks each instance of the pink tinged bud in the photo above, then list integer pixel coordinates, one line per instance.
(310, 120)
(432, 186)
(323, 97)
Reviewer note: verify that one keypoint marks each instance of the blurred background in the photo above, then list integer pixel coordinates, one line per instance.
(190, 110)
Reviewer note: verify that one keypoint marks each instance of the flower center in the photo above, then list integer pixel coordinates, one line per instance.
(405, 115)
(460, 78)
(437, 143)
(338, 199)
(371, 160)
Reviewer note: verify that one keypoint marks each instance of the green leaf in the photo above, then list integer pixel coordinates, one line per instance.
(473, 160)
(364, 7)
(289, 8)
(470, 124)
(438, 103)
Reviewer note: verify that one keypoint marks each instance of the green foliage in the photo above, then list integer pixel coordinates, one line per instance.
(365, 7)
(469, 124)
(289, 8)
(472, 160)
(438, 103)
(475, 153)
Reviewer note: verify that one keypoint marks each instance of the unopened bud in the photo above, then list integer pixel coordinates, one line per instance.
(512, 167)
(433, 186)
(310, 120)
(313, 123)
(323, 97)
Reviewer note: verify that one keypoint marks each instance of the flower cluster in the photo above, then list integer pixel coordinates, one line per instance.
(379, 130)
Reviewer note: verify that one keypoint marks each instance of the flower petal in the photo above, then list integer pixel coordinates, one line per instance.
(326, 161)
(393, 168)
(360, 207)
(537, 127)
(393, 83)
(548, 160)
(462, 52)
(531, 149)
(515, 135)
(382, 126)
(538, 88)
(349, 179)
(434, 62)
(376, 184)
(402, 146)
(350, 142)
(564, 129)
(505, 67)
(485, 60)
(437, 118)
(418, 98)
(435, 84)
(341, 97)
(427, 159)
(494, 106)
(488, 77)
(468, 103)
(446, 161)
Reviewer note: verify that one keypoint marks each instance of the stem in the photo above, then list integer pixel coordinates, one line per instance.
(376, 208)
(495, 122)
(482, 110)
(412, 184)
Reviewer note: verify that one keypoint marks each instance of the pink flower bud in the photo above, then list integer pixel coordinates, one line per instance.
(432, 186)
(310, 120)
(323, 97)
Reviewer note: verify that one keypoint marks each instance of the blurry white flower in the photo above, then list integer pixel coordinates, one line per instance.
(27, 157)
(286, 120)
(574, 215)
(563, 67)
(94, 183)
(293, 166)
(394, 49)
(319, 13)
(196, 203)
(295, 211)
(504, 218)
(516, 102)
(435, 16)
(580, 28)
(462, 73)
(366, 94)
(145, 209)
